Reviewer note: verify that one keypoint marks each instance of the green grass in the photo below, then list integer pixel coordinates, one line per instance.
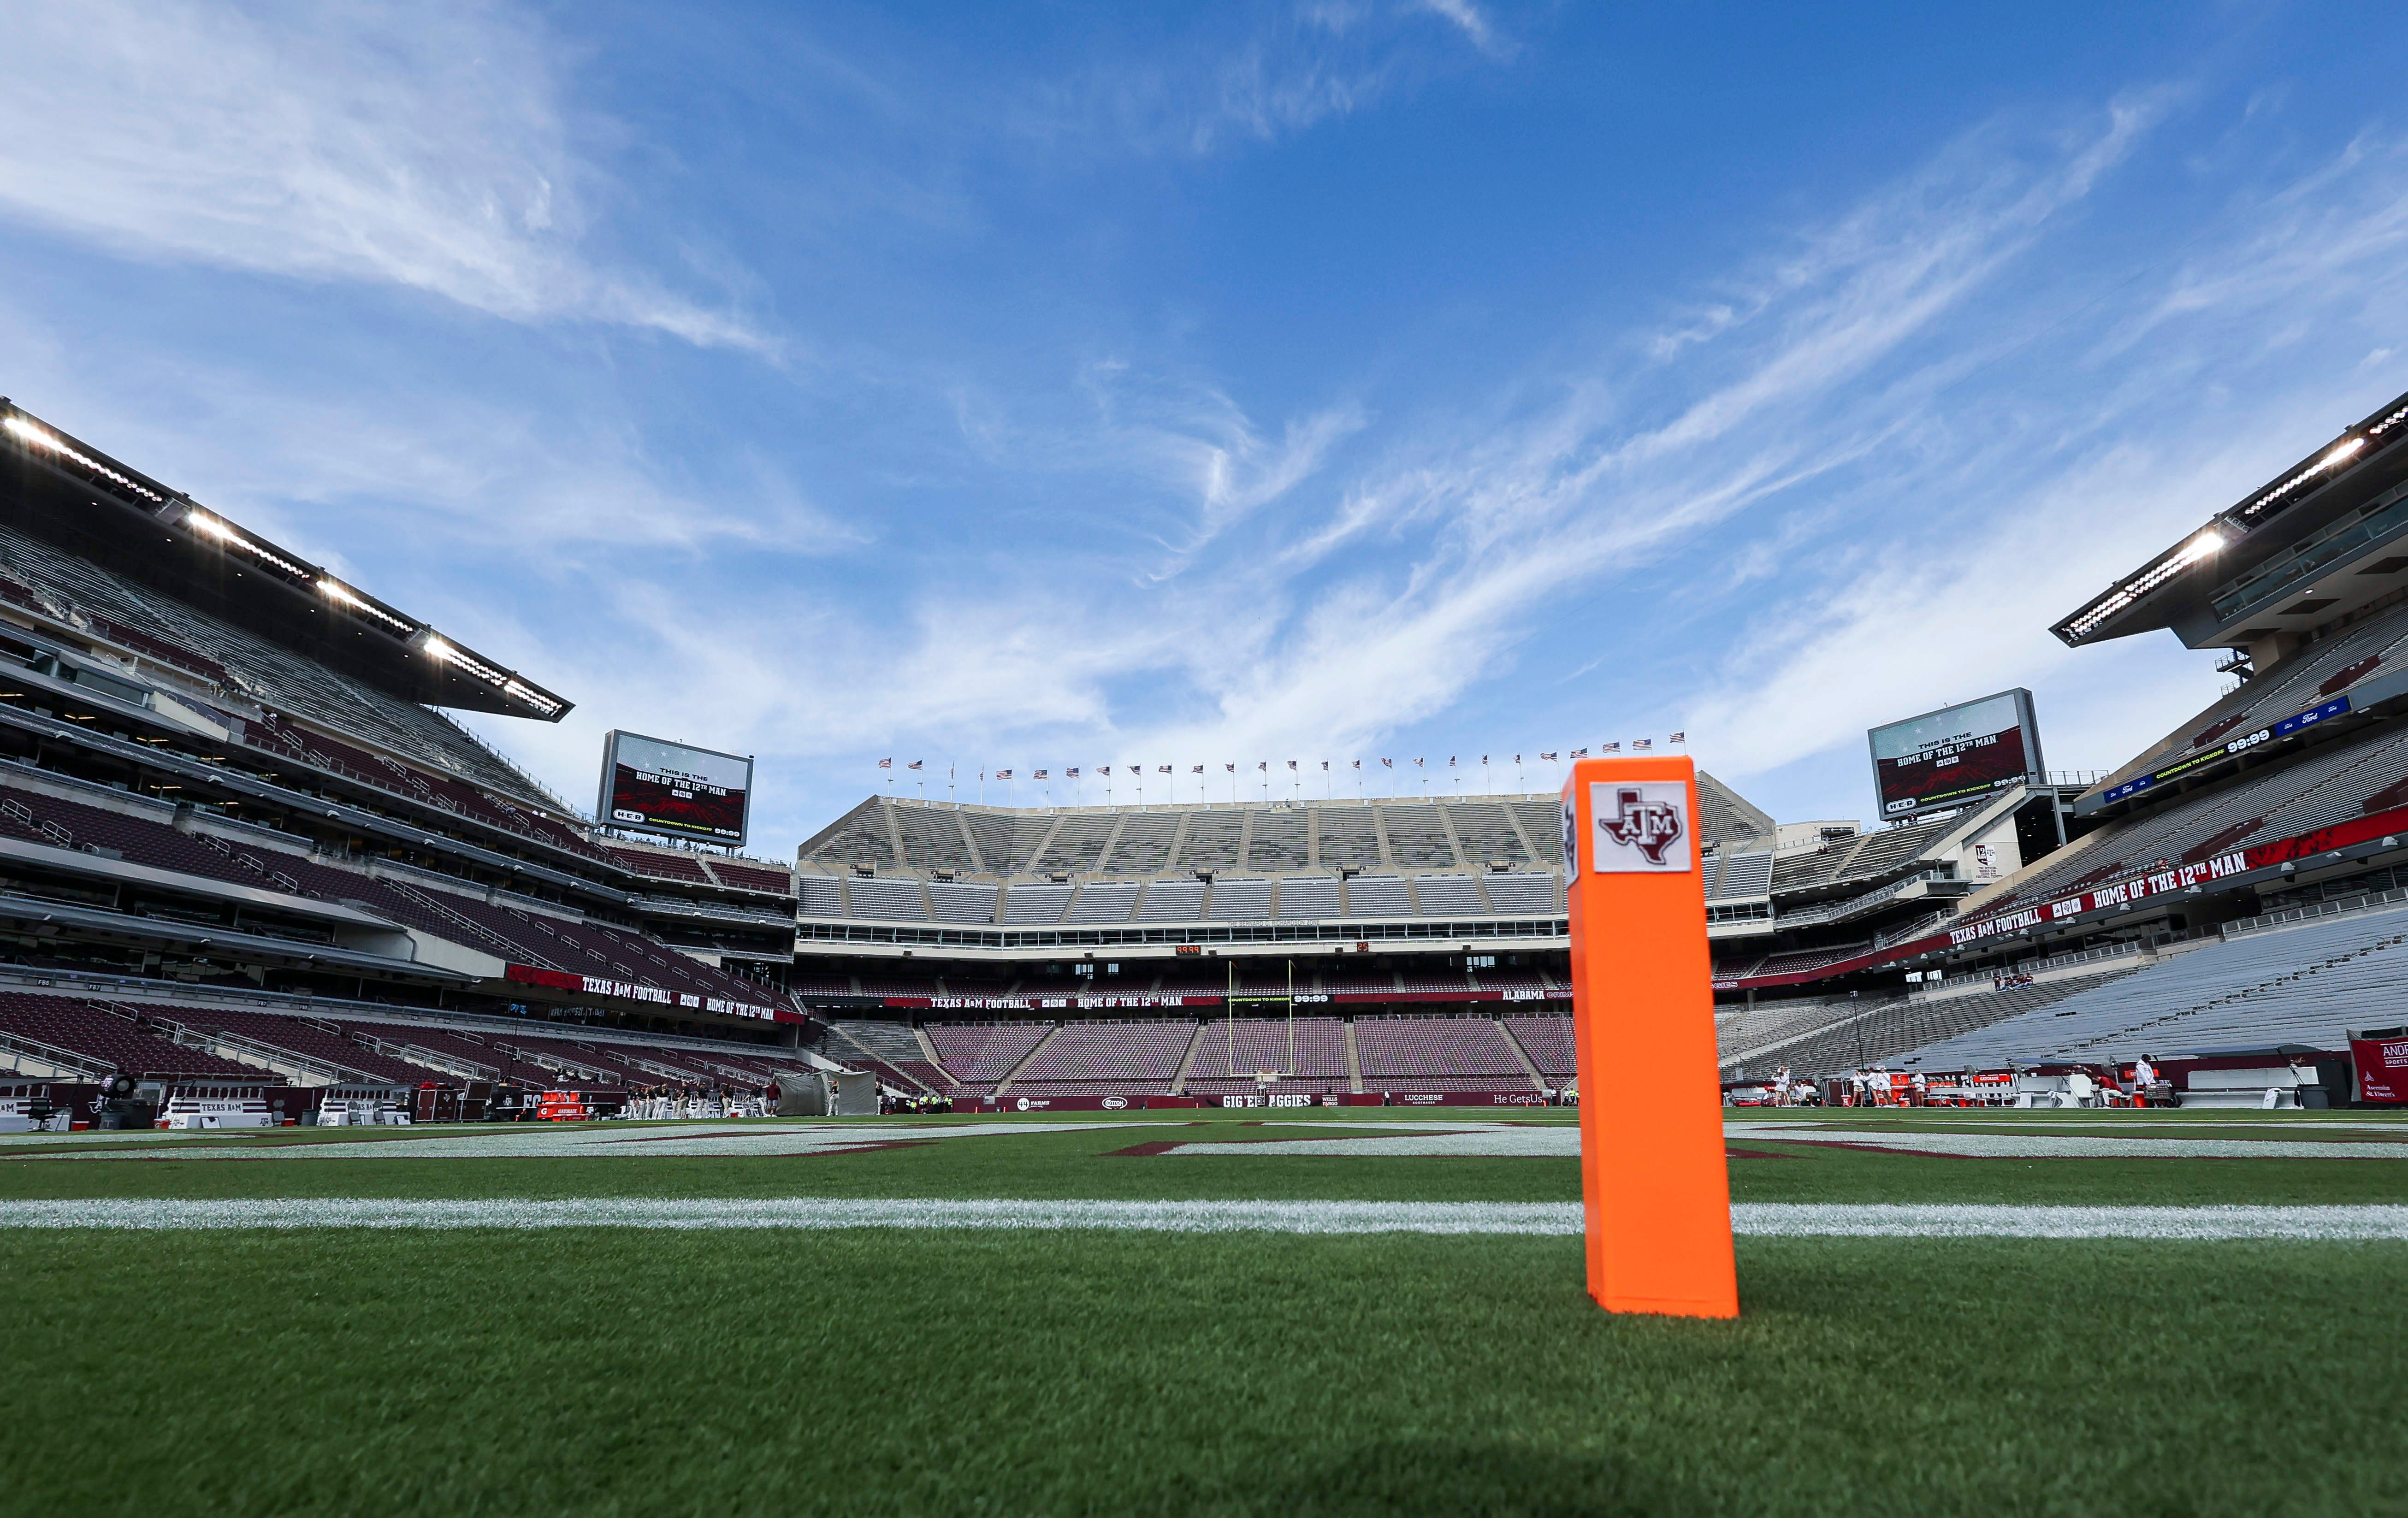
(865, 1371)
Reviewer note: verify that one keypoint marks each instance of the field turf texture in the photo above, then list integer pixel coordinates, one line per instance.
(1094, 1372)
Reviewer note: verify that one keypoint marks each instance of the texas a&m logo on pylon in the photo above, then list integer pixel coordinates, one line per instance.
(1641, 829)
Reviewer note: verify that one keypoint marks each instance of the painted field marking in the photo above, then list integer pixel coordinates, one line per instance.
(1560, 1218)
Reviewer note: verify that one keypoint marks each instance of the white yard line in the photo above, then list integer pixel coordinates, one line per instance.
(1748, 1219)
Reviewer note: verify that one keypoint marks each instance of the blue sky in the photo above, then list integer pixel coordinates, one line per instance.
(1040, 386)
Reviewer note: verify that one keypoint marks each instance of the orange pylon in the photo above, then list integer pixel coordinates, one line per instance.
(1654, 1182)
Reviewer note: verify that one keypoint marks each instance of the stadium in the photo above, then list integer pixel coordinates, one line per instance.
(266, 902)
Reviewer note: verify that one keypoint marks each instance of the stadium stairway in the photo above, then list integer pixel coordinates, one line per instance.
(2292, 984)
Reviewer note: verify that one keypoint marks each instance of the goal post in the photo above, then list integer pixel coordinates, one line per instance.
(1654, 1184)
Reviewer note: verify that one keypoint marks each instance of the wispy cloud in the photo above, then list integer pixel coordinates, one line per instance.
(1263, 74)
(423, 145)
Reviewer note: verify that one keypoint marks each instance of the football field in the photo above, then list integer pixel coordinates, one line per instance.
(1242, 1312)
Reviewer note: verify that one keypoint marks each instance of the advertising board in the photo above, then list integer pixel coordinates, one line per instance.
(1954, 756)
(655, 786)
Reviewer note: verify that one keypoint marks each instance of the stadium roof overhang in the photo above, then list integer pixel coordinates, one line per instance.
(2325, 537)
(69, 494)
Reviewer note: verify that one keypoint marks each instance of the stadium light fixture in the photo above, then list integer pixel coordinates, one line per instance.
(337, 590)
(36, 437)
(2341, 450)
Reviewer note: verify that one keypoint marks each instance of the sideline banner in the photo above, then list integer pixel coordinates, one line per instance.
(1655, 1183)
(2381, 1066)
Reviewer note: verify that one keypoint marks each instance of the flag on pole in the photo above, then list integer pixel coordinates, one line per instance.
(1580, 754)
(1358, 764)
(1483, 758)
(1072, 773)
(1003, 774)
(1195, 769)
(1450, 760)
(1680, 737)
(1389, 763)
(1639, 744)
(1609, 748)
(1549, 754)
(1037, 775)
(1162, 769)
(913, 764)
(1325, 763)
(1290, 763)
(1419, 763)
(1264, 765)
(1231, 769)
(886, 764)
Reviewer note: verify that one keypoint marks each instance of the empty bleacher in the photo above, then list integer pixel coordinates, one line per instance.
(111, 1041)
(956, 902)
(1548, 1042)
(1232, 1051)
(979, 1055)
(1450, 895)
(1105, 901)
(1241, 900)
(1033, 903)
(1487, 835)
(1378, 895)
(1107, 1058)
(1172, 901)
(1282, 840)
(1437, 1054)
(1307, 897)
(2303, 984)
(887, 899)
(2344, 781)
(1533, 895)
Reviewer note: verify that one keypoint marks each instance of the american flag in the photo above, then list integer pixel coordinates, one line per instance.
(1643, 744)
(1418, 763)
(913, 764)
(1390, 763)
(1037, 775)
(1290, 763)
(1072, 773)
(1549, 754)
(1609, 748)
(1231, 769)
(1162, 769)
(886, 764)
(1358, 764)
(1263, 765)
(1195, 769)
(1103, 769)
(1003, 774)
(1680, 737)
(1580, 754)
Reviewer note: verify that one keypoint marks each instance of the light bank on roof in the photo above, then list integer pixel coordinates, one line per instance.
(2325, 538)
(70, 494)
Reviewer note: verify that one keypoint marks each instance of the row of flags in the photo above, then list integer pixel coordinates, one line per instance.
(1642, 745)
